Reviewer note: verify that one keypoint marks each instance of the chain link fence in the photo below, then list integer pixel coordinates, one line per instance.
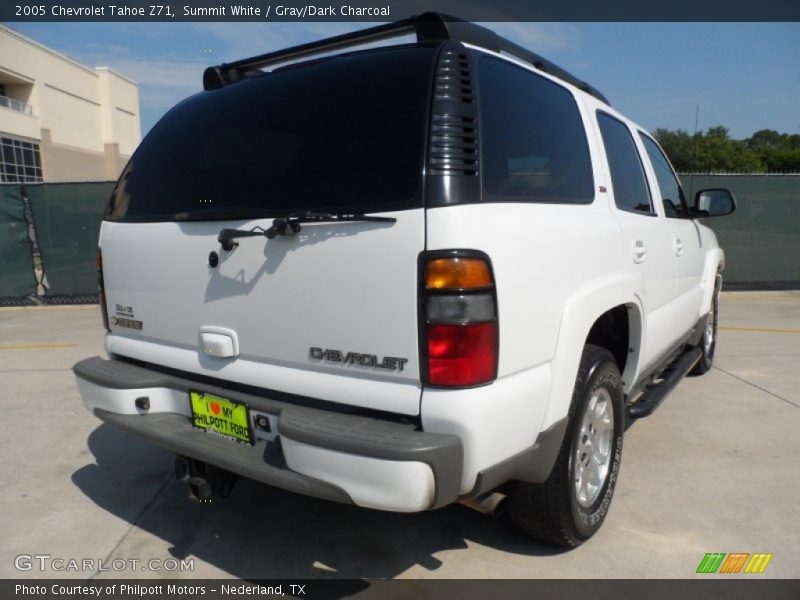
(17, 275)
(48, 243)
(49, 232)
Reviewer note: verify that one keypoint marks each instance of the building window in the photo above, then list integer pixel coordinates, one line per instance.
(19, 161)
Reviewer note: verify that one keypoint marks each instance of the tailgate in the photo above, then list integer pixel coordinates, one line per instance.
(329, 312)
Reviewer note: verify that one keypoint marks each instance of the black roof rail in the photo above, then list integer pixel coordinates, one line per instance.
(428, 27)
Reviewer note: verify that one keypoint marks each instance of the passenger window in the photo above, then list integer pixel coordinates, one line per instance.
(532, 138)
(627, 175)
(671, 192)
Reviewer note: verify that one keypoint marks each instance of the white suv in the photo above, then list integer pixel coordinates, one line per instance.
(402, 277)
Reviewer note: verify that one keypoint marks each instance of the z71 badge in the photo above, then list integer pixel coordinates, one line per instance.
(124, 317)
(390, 363)
(129, 323)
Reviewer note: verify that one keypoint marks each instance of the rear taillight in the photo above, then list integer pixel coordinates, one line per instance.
(101, 290)
(459, 319)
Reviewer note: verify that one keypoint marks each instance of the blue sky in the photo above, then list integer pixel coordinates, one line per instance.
(745, 76)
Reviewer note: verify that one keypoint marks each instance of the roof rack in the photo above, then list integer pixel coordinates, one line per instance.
(428, 27)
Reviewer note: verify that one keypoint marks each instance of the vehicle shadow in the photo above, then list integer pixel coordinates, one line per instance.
(264, 532)
(223, 284)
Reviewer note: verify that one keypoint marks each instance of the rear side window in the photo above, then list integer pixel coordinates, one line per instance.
(671, 192)
(627, 174)
(343, 133)
(533, 144)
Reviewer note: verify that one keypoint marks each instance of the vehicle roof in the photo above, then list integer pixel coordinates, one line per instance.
(428, 27)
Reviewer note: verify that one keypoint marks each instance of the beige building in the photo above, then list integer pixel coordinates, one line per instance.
(60, 120)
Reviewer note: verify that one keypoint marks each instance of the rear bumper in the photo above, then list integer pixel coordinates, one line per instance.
(347, 458)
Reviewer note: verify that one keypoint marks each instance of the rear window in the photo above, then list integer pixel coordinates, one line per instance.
(342, 133)
(533, 142)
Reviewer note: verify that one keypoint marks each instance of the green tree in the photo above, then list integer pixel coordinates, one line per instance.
(779, 151)
(715, 151)
(766, 140)
(783, 160)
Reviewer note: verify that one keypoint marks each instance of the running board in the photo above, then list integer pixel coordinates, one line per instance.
(653, 395)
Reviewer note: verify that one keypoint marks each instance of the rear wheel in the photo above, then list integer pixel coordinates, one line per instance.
(572, 504)
(708, 343)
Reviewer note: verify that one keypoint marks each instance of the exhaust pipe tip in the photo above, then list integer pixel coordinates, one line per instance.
(200, 489)
(491, 504)
(204, 480)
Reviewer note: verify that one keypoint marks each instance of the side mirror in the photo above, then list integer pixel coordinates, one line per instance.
(713, 203)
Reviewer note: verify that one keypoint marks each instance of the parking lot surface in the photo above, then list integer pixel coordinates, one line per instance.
(714, 469)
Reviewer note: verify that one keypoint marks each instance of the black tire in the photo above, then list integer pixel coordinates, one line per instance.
(551, 511)
(707, 359)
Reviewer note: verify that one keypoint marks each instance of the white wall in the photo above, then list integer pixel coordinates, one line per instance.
(120, 102)
(84, 109)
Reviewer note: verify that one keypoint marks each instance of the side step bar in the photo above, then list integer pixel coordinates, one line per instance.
(653, 395)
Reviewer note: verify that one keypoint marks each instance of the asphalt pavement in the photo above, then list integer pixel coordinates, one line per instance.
(714, 469)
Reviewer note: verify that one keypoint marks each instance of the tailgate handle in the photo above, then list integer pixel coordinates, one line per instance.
(219, 341)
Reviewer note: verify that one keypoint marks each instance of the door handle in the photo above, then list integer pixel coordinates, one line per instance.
(677, 246)
(639, 251)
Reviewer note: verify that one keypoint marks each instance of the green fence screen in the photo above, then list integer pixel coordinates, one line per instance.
(67, 218)
(17, 276)
(761, 239)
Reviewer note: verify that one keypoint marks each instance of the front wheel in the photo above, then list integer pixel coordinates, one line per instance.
(572, 504)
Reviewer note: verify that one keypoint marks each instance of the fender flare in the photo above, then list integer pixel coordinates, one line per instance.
(581, 311)
(715, 262)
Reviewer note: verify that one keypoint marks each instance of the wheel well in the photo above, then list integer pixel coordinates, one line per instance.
(611, 331)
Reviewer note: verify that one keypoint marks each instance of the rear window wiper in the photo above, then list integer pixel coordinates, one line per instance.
(290, 225)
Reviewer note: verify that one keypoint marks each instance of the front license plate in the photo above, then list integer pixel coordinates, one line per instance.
(221, 416)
